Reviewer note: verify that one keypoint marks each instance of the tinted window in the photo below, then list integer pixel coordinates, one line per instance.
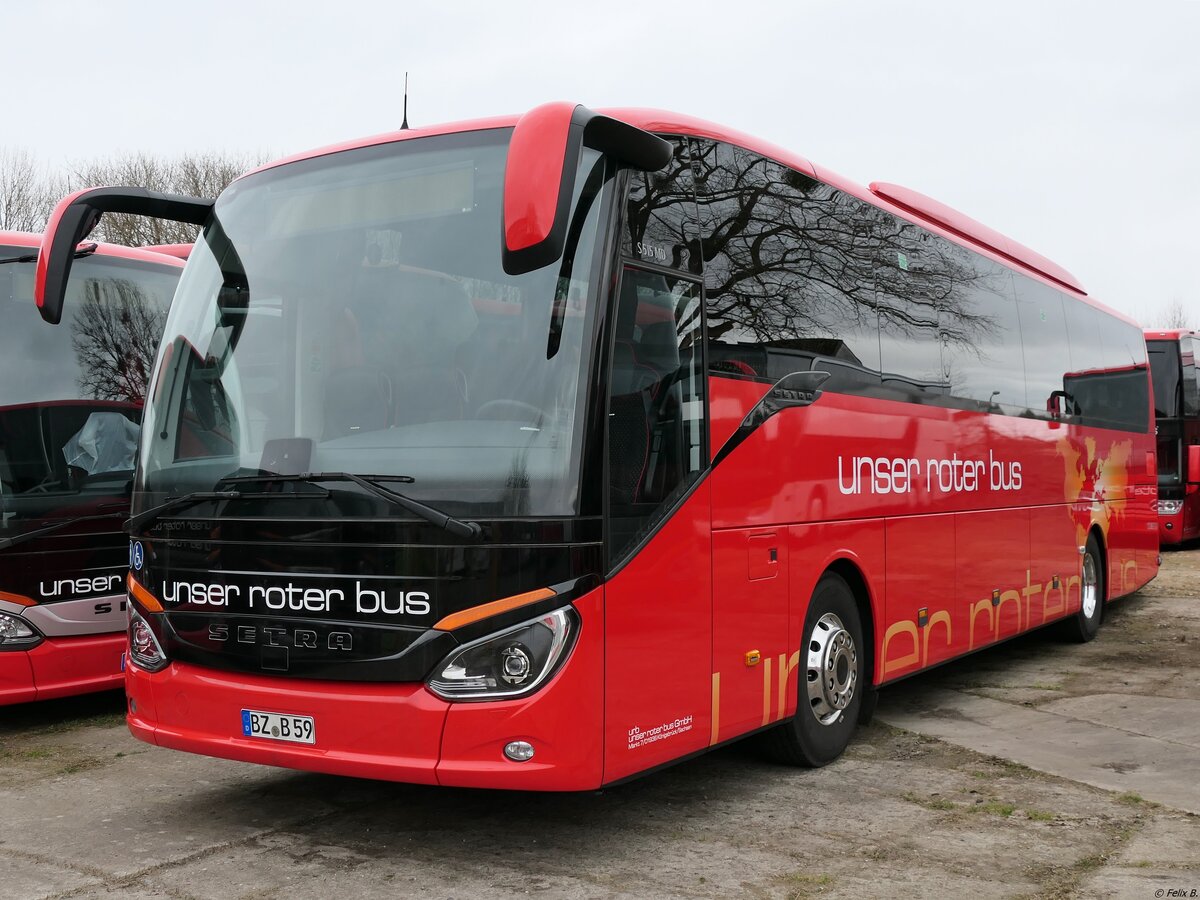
(981, 331)
(1044, 341)
(1191, 377)
(104, 348)
(1165, 370)
(1111, 390)
(910, 285)
(656, 402)
(1083, 333)
(788, 272)
(660, 219)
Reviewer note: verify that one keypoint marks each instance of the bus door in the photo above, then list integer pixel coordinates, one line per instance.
(658, 599)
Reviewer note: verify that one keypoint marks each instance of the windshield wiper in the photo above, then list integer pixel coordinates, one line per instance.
(144, 518)
(371, 484)
(83, 250)
(16, 539)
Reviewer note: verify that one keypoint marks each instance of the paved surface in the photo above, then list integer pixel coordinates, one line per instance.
(1119, 742)
(941, 807)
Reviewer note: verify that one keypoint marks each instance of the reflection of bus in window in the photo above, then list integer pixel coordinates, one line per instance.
(1175, 365)
(70, 405)
(703, 442)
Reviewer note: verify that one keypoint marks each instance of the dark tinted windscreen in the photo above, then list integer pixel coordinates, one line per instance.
(105, 345)
(71, 394)
(1164, 369)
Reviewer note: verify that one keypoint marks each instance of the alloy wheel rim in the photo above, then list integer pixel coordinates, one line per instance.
(1091, 586)
(832, 669)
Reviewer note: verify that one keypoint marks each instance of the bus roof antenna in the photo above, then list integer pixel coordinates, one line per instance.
(404, 124)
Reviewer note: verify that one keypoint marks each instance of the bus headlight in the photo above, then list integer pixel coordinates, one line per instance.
(512, 663)
(16, 632)
(1169, 507)
(144, 648)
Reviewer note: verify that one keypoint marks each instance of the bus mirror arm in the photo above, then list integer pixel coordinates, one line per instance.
(790, 391)
(1061, 403)
(76, 216)
(539, 175)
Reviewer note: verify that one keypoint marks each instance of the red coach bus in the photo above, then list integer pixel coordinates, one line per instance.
(703, 441)
(70, 403)
(1173, 364)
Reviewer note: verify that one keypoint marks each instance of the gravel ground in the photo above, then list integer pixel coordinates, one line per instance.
(86, 811)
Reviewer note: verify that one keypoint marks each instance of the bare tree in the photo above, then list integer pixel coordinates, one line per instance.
(114, 336)
(27, 192)
(199, 175)
(1173, 315)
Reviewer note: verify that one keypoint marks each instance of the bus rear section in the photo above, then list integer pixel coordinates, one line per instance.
(1173, 362)
(705, 443)
(70, 404)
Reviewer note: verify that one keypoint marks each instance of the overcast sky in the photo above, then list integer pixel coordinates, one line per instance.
(1073, 127)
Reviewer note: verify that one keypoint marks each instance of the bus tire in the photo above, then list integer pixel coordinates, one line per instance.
(1084, 625)
(831, 680)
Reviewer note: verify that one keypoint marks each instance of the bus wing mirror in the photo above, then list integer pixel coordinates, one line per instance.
(1193, 463)
(790, 391)
(77, 214)
(539, 175)
(1061, 403)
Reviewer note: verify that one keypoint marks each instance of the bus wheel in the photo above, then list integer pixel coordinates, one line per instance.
(831, 680)
(1084, 624)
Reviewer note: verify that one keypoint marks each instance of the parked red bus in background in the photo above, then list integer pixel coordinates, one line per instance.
(705, 441)
(1173, 362)
(70, 404)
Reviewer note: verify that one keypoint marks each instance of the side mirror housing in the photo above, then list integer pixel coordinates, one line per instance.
(539, 175)
(74, 218)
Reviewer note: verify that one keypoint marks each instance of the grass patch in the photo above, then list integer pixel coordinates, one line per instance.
(994, 808)
(1038, 815)
(1132, 798)
(938, 804)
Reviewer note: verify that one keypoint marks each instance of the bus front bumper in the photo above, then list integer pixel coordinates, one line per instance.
(392, 732)
(62, 667)
(1170, 528)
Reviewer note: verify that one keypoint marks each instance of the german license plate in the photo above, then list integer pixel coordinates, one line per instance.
(278, 727)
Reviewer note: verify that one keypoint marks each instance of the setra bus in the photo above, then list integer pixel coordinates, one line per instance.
(1173, 365)
(70, 404)
(539, 452)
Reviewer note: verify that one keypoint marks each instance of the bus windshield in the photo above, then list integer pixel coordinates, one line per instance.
(1165, 370)
(350, 314)
(71, 396)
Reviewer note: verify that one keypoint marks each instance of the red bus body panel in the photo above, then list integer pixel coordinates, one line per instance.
(961, 528)
(385, 731)
(62, 667)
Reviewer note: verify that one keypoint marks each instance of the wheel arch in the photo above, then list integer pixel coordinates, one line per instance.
(857, 582)
(1098, 532)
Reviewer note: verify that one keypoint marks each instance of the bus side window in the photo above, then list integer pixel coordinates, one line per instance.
(660, 215)
(788, 272)
(1044, 341)
(656, 402)
(208, 426)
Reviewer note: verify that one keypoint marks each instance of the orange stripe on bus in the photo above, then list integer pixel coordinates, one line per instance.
(19, 599)
(141, 595)
(475, 613)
